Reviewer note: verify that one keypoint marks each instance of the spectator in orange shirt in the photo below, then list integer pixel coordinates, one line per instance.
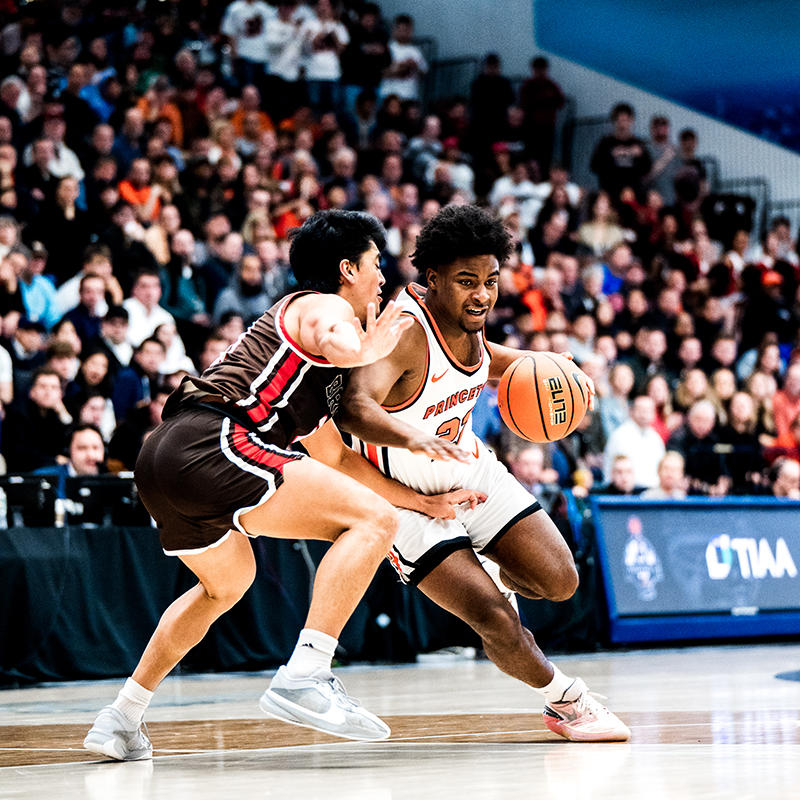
(786, 401)
(157, 102)
(250, 101)
(137, 190)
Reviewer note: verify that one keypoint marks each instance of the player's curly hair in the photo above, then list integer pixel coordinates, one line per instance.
(460, 232)
(324, 239)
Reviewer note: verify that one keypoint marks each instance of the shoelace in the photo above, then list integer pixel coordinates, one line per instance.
(338, 687)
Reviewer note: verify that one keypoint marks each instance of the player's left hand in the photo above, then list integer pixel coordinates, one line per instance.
(442, 506)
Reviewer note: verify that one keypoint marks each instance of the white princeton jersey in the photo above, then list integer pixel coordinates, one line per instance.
(441, 406)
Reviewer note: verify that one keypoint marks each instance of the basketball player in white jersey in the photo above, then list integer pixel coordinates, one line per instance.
(429, 383)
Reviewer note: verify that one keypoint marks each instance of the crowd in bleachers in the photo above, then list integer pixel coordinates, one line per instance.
(153, 157)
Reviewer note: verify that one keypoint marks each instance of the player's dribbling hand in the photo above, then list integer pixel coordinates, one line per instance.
(380, 335)
(589, 382)
(443, 506)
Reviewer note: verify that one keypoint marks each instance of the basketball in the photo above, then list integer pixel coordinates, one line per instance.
(542, 397)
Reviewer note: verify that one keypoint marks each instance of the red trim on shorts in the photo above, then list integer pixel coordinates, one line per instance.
(240, 439)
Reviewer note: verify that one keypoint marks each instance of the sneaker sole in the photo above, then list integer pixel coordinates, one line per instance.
(273, 709)
(555, 726)
(107, 749)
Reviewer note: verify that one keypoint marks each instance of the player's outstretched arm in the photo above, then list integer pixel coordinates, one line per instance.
(328, 327)
(326, 445)
(369, 386)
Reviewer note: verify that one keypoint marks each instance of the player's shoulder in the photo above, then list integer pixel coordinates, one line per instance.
(320, 303)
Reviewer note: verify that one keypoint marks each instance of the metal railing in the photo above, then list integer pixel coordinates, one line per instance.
(789, 208)
(450, 77)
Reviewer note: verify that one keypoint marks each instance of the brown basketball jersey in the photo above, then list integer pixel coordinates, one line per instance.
(267, 382)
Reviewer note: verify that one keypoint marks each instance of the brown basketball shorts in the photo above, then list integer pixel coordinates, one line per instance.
(199, 471)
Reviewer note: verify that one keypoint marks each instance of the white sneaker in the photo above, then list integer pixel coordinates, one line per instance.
(492, 569)
(321, 702)
(585, 719)
(113, 735)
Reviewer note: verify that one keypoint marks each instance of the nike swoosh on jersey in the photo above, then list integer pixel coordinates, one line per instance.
(435, 378)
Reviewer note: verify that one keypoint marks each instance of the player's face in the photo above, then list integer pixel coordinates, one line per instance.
(466, 290)
(368, 281)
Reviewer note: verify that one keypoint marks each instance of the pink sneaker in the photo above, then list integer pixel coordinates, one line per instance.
(584, 719)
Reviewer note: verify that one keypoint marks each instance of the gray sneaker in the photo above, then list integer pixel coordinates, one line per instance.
(320, 702)
(113, 736)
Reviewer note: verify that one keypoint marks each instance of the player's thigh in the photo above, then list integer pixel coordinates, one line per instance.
(533, 552)
(316, 501)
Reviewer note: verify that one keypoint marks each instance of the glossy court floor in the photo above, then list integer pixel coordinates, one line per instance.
(710, 722)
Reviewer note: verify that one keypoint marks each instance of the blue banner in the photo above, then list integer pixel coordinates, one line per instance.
(726, 559)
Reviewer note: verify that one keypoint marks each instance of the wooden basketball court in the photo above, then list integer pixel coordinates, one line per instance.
(710, 722)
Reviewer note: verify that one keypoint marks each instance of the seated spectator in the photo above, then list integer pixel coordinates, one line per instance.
(60, 357)
(87, 315)
(671, 479)
(38, 293)
(247, 294)
(667, 420)
(26, 348)
(622, 480)
(133, 385)
(601, 231)
(404, 74)
(528, 467)
(637, 439)
(138, 191)
(144, 312)
(86, 456)
(614, 407)
(35, 429)
(113, 339)
(786, 401)
(96, 261)
(697, 441)
(786, 481)
(92, 378)
(744, 462)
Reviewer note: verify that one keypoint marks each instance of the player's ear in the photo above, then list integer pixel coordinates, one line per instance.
(347, 270)
(430, 277)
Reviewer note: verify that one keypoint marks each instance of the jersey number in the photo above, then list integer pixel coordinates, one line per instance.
(453, 428)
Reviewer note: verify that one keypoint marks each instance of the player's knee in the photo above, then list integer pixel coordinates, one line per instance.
(381, 523)
(497, 623)
(564, 584)
(228, 593)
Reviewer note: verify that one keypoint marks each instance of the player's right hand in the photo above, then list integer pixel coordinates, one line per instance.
(437, 448)
(443, 506)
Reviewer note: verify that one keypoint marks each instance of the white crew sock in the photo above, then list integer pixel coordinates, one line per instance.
(562, 689)
(132, 701)
(312, 653)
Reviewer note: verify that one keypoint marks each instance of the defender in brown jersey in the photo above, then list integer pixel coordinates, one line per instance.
(224, 466)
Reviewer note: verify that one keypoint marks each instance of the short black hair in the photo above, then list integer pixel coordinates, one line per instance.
(622, 108)
(324, 239)
(460, 232)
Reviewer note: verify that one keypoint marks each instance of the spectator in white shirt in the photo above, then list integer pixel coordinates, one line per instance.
(671, 478)
(144, 312)
(637, 439)
(285, 45)
(245, 26)
(403, 76)
(324, 39)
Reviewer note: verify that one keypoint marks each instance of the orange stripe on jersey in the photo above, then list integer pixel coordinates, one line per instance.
(372, 454)
(411, 289)
(424, 380)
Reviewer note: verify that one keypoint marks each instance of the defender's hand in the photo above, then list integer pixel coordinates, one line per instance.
(442, 506)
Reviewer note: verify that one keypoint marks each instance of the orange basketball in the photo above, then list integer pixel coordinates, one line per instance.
(543, 397)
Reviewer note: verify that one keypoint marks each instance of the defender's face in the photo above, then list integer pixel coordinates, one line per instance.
(465, 291)
(368, 281)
